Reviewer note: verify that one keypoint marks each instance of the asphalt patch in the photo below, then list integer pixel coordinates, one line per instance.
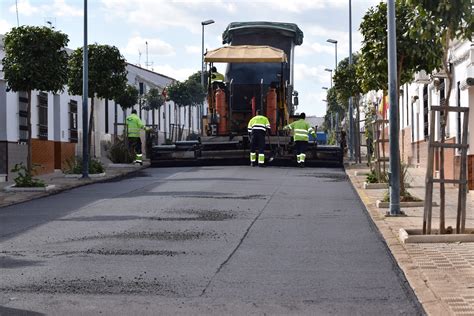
(95, 286)
(123, 252)
(198, 215)
(166, 235)
(203, 195)
(331, 177)
(12, 263)
(7, 311)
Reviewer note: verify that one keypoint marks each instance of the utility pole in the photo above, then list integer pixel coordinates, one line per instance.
(394, 175)
(351, 123)
(85, 98)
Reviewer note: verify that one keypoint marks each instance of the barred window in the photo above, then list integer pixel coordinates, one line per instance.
(23, 117)
(42, 115)
(73, 121)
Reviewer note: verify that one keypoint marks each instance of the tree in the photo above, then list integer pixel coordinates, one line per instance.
(444, 21)
(128, 98)
(107, 75)
(414, 53)
(154, 99)
(35, 59)
(346, 81)
(188, 93)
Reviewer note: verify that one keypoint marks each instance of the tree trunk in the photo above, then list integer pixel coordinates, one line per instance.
(91, 126)
(29, 163)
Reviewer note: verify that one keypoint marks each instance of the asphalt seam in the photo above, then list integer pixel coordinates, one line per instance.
(240, 242)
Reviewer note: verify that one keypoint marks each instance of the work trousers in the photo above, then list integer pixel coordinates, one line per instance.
(301, 147)
(258, 142)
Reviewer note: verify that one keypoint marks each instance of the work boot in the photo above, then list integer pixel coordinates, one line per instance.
(253, 164)
(262, 165)
(302, 164)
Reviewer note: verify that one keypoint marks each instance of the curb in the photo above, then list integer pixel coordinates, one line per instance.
(428, 301)
(42, 194)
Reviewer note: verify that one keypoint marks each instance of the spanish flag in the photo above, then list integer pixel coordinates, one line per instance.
(383, 106)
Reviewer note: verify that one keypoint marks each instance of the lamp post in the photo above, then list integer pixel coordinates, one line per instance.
(85, 98)
(351, 124)
(332, 41)
(203, 23)
(330, 71)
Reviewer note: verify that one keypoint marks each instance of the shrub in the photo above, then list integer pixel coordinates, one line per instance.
(25, 178)
(74, 166)
(119, 152)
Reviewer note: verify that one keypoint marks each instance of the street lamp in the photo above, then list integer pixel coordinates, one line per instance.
(329, 70)
(325, 88)
(332, 41)
(203, 23)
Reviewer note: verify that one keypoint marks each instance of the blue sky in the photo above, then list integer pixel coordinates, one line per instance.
(173, 31)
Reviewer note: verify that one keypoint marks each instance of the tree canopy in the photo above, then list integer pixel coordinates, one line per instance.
(35, 59)
(128, 98)
(414, 53)
(154, 99)
(107, 71)
(190, 92)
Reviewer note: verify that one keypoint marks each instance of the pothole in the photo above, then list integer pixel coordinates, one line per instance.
(331, 177)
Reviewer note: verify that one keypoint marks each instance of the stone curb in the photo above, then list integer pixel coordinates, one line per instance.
(77, 176)
(409, 236)
(431, 303)
(381, 204)
(13, 188)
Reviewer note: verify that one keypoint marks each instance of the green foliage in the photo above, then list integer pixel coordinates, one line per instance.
(189, 92)
(154, 99)
(119, 152)
(414, 52)
(453, 15)
(107, 71)
(128, 98)
(35, 59)
(346, 82)
(372, 177)
(74, 166)
(334, 106)
(25, 179)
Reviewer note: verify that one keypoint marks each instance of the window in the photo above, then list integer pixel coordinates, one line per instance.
(42, 115)
(73, 121)
(426, 126)
(23, 117)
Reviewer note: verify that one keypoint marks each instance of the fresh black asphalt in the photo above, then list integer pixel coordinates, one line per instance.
(217, 240)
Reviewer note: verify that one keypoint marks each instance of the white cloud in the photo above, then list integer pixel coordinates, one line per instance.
(312, 103)
(58, 8)
(155, 46)
(313, 48)
(165, 14)
(4, 26)
(24, 8)
(317, 74)
(193, 49)
(180, 74)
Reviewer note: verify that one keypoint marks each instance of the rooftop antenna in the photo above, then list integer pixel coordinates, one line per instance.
(147, 64)
(17, 19)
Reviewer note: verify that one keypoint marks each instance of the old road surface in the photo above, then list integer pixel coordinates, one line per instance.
(201, 240)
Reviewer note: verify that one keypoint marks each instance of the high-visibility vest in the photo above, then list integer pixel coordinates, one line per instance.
(134, 125)
(258, 122)
(217, 77)
(301, 129)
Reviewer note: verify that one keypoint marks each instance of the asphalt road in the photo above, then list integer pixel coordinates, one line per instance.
(207, 240)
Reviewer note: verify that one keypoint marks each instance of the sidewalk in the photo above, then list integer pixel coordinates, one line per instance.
(441, 274)
(62, 183)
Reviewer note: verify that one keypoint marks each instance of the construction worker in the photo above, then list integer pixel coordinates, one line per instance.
(257, 128)
(217, 79)
(301, 129)
(134, 126)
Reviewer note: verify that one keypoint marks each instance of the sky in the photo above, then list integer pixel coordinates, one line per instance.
(173, 30)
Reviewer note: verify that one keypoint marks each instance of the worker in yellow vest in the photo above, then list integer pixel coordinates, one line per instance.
(257, 128)
(134, 126)
(301, 129)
